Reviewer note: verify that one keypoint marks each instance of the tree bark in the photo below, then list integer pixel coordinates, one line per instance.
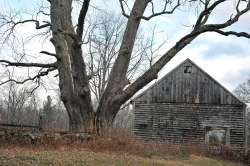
(73, 81)
(107, 108)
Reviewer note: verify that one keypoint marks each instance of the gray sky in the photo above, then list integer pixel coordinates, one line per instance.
(226, 59)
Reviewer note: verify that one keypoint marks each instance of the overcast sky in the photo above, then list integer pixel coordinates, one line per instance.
(226, 59)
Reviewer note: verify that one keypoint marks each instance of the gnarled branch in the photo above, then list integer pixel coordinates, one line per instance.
(203, 17)
(233, 33)
(38, 76)
(164, 10)
(37, 23)
(21, 64)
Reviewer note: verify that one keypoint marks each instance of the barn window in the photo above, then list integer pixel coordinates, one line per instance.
(187, 69)
(217, 136)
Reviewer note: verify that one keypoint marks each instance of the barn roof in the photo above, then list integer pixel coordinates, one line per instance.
(200, 70)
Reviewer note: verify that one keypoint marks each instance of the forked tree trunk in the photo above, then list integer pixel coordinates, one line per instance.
(106, 114)
(73, 79)
(109, 106)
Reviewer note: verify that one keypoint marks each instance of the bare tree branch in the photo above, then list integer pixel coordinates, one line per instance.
(20, 64)
(237, 34)
(151, 74)
(231, 21)
(49, 53)
(38, 76)
(206, 12)
(37, 23)
(9, 24)
(164, 11)
(38, 26)
(81, 18)
(123, 10)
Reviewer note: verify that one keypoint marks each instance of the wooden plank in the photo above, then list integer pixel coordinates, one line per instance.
(186, 123)
(202, 88)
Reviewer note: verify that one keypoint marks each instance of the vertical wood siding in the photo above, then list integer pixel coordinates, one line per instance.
(184, 105)
(193, 87)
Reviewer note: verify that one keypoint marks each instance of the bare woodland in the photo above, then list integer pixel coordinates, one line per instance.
(94, 63)
(242, 91)
(20, 107)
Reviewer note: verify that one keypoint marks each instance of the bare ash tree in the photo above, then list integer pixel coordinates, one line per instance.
(53, 115)
(20, 106)
(70, 62)
(242, 91)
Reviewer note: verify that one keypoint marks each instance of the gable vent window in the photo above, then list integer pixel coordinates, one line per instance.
(187, 69)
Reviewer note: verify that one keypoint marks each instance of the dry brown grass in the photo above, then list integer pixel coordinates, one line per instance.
(35, 157)
(114, 142)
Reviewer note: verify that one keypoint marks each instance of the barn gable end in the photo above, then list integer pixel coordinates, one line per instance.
(187, 105)
(188, 83)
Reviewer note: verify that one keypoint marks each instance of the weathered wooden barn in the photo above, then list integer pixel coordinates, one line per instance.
(188, 105)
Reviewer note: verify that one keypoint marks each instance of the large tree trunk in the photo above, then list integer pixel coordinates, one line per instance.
(108, 107)
(115, 95)
(73, 79)
(77, 121)
(106, 114)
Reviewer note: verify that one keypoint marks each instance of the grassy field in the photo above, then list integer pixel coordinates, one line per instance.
(63, 157)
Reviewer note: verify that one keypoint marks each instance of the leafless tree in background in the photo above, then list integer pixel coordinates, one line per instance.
(20, 106)
(23, 108)
(242, 91)
(15, 102)
(70, 62)
(53, 115)
(48, 112)
(61, 120)
(103, 43)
